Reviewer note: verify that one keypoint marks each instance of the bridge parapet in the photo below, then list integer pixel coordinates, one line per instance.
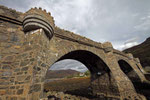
(130, 55)
(120, 53)
(10, 12)
(61, 33)
(108, 47)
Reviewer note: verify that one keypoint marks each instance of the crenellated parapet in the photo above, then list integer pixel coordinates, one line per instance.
(37, 18)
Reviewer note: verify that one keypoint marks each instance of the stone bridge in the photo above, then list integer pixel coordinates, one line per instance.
(30, 43)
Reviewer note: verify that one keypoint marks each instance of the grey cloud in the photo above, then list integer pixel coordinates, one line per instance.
(19, 5)
(68, 64)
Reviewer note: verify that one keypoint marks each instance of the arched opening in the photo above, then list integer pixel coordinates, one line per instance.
(70, 77)
(101, 81)
(141, 88)
(128, 70)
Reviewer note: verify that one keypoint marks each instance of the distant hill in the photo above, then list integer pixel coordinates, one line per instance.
(142, 51)
(61, 73)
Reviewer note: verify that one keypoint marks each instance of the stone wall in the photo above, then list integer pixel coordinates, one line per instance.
(25, 58)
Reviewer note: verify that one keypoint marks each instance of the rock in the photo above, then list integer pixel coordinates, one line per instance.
(6, 67)
(20, 91)
(24, 69)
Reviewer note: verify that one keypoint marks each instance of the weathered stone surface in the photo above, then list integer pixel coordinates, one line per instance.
(12, 87)
(35, 88)
(17, 70)
(137, 60)
(19, 73)
(24, 69)
(27, 78)
(6, 67)
(4, 83)
(6, 73)
(1, 11)
(24, 63)
(3, 38)
(130, 55)
(25, 58)
(20, 91)
(107, 47)
(9, 58)
(5, 78)
(43, 65)
(14, 38)
(36, 68)
(4, 87)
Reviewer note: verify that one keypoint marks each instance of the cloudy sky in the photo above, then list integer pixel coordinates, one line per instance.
(69, 64)
(123, 22)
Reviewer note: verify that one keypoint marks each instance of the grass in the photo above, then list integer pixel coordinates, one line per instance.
(75, 86)
(68, 84)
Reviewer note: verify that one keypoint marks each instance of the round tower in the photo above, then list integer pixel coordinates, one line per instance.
(37, 18)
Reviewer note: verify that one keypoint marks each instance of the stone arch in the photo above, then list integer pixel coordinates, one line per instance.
(135, 66)
(126, 68)
(88, 58)
(102, 80)
(131, 74)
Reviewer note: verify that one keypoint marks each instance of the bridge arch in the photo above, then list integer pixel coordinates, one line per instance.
(89, 59)
(128, 70)
(131, 74)
(102, 80)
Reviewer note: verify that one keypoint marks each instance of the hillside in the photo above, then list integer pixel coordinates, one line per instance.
(61, 73)
(142, 51)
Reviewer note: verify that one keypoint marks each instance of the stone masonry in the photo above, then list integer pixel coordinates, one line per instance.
(30, 43)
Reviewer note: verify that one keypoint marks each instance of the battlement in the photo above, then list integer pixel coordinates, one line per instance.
(41, 12)
(38, 18)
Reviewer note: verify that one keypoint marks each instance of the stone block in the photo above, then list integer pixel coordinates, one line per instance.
(6, 67)
(35, 88)
(130, 55)
(2, 92)
(20, 91)
(107, 47)
(137, 60)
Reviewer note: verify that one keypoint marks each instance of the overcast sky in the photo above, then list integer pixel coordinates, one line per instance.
(123, 22)
(69, 64)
